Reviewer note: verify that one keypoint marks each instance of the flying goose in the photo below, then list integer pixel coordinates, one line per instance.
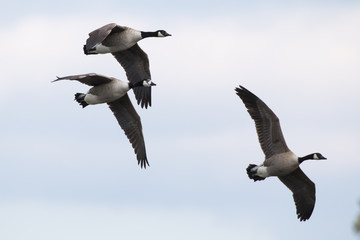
(279, 161)
(114, 92)
(121, 42)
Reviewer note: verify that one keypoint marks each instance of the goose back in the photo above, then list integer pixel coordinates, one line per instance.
(111, 38)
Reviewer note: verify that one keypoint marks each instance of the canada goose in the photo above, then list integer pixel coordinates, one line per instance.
(279, 161)
(121, 42)
(114, 92)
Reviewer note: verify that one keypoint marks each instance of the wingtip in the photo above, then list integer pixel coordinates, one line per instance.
(143, 163)
(302, 218)
(303, 215)
(57, 79)
(143, 103)
(240, 89)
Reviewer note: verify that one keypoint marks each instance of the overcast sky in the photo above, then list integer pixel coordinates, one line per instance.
(70, 173)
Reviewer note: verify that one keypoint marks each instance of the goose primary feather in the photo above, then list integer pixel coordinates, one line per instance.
(114, 92)
(121, 42)
(279, 161)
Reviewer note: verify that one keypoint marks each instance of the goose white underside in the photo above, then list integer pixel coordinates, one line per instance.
(102, 49)
(107, 92)
(94, 99)
(99, 48)
(262, 171)
(265, 172)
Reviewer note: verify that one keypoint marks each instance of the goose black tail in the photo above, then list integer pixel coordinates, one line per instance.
(80, 98)
(90, 51)
(251, 171)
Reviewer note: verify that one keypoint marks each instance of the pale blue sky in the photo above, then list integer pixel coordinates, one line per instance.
(70, 173)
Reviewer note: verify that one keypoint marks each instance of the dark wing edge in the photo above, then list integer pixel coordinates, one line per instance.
(130, 122)
(267, 123)
(90, 79)
(136, 64)
(303, 193)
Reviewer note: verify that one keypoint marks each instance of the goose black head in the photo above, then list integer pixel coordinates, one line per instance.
(313, 156)
(162, 33)
(148, 83)
(144, 83)
(318, 156)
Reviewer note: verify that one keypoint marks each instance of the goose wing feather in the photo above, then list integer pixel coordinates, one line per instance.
(99, 35)
(91, 79)
(303, 192)
(130, 122)
(267, 123)
(136, 64)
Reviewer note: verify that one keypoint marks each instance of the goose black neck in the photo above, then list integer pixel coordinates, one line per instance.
(137, 84)
(149, 34)
(307, 157)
